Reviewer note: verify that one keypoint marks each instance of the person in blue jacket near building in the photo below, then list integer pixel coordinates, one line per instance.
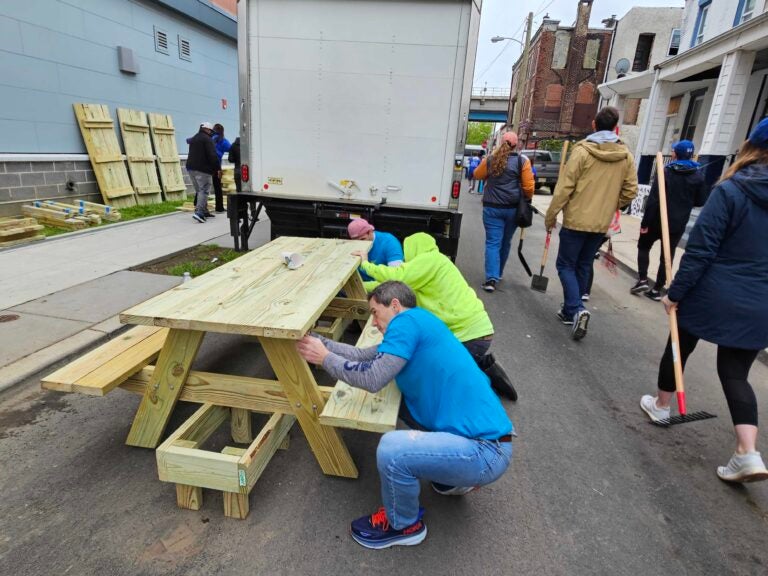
(465, 440)
(721, 296)
(222, 146)
(386, 249)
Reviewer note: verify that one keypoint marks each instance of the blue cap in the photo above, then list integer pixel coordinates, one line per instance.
(683, 149)
(759, 136)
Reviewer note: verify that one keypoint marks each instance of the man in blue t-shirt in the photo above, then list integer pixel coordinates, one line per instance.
(465, 439)
(386, 249)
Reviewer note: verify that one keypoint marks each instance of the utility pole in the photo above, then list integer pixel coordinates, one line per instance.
(522, 75)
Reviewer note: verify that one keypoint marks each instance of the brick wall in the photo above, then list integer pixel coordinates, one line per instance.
(22, 182)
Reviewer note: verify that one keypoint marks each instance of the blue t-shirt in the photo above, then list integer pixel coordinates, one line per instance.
(385, 249)
(441, 384)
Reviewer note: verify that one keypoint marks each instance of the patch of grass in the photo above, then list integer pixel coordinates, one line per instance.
(53, 230)
(201, 261)
(134, 212)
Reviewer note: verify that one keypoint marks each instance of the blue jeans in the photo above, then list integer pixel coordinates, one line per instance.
(406, 456)
(574, 264)
(500, 225)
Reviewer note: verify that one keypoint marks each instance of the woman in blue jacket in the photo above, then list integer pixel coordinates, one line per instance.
(721, 295)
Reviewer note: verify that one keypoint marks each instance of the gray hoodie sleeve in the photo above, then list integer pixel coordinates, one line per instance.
(347, 351)
(371, 375)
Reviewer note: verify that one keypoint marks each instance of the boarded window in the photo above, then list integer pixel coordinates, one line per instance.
(590, 54)
(586, 93)
(643, 52)
(560, 53)
(553, 96)
(631, 111)
(674, 105)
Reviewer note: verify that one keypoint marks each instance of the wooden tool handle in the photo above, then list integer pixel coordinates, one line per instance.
(546, 251)
(563, 156)
(673, 331)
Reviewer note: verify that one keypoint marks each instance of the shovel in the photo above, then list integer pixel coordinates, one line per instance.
(539, 281)
(520, 253)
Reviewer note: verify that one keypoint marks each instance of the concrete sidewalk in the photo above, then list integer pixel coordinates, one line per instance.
(63, 295)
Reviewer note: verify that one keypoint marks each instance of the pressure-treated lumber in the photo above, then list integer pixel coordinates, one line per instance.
(304, 395)
(24, 240)
(69, 211)
(241, 426)
(347, 308)
(105, 368)
(98, 132)
(355, 408)
(289, 301)
(164, 143)
(160, 397)
(138, 150)
(55, 218)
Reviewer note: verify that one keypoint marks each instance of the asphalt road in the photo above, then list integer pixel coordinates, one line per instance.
(593, 488)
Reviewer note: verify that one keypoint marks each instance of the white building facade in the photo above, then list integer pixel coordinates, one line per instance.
(713, 91)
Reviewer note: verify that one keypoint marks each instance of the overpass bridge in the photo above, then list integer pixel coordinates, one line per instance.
(488, 104)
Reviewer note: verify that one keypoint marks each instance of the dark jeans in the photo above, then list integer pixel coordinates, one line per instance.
(218, 193)
(575, 258)
(644, 245)
(733, 366)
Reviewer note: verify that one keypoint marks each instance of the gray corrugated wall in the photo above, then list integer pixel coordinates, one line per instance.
(57, 52)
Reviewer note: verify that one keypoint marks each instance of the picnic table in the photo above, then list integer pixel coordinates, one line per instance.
(257, 295)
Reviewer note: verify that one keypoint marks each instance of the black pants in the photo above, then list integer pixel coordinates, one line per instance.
(733, 366)
(644, 245)
(219, 193)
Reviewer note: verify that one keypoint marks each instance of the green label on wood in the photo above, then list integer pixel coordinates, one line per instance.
(242, 478)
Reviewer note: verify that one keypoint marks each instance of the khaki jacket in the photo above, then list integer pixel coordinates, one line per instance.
(598, 179)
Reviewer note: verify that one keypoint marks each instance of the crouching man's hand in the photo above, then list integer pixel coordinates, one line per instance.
(312, 350)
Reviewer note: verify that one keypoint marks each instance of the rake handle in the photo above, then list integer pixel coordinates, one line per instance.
(673, 330)
(546, 253)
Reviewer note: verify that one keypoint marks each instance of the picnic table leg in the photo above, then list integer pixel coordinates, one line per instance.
(164, 387)
(302, 392)
(354, 289)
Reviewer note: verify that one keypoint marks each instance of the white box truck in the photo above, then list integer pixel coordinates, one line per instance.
(356, 108)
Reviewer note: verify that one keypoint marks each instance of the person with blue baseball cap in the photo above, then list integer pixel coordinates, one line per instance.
(720, 293)
(686, 188)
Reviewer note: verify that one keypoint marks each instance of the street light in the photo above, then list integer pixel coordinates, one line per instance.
(502, 38)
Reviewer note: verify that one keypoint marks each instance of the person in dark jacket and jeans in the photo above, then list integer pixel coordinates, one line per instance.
(507, 175)
(222, 145)
(721, 296)
(202, 165)
(234, 158)
(685, 188)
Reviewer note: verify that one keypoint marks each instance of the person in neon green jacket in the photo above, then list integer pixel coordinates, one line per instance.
(440, 288)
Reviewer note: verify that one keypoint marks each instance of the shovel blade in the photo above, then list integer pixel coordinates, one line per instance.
(539, 283)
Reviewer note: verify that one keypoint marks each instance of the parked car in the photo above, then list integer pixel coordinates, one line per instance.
(547, 167)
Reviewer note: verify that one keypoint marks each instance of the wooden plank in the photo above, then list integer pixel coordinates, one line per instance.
(163, 391)
(305, 398)
(16, 222)
(189, 497)
(241, 426)
(257, 294)
(236, 505)
(141, 161)
(96, 126)
(333, 331)
(8, 243)
(55, 218)
(106, 367)
(350, 407)
(253, 394)
(163, 135)
(91, 373)
(347, 308)
(263, 447)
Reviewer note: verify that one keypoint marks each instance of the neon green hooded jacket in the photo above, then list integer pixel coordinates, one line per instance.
(439, 287)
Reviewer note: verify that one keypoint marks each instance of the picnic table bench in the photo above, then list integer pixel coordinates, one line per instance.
(255, 295)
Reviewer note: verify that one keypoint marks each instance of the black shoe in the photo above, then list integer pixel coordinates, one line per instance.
(209, 215)
(220, 210)
(198, 218)
(654, 295)
(640, 287)
(580, 325)
(489, 285)
(499, 380)
(563, 318)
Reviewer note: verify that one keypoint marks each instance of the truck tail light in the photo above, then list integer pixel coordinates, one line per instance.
(455, 189)
(244, 172)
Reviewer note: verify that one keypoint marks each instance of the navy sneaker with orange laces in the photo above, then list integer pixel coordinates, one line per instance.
(375, 532)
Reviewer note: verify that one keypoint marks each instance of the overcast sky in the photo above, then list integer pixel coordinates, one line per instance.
(507, 18)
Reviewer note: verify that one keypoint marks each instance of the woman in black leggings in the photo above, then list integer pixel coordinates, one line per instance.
(721, 296)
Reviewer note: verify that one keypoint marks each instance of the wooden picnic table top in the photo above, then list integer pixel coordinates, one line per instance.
(257, 294)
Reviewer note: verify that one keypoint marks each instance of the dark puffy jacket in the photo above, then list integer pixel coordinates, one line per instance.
(234, 154)
(685, 188)
(722, 284)
(504, 191)
(202, 154)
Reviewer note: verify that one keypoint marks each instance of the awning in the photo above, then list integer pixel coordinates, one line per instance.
(631, 86)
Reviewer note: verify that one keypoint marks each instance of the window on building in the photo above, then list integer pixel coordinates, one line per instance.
(560, 53)
(161, 40)
(701, 23)
(674, 42)
(643, 52)
(590, 54)
(692, 116)
(586, 93)
(185, 49)
(744, 11)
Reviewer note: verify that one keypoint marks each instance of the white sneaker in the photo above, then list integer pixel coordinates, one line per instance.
(656, 414)
(748, 467)
(452, 490)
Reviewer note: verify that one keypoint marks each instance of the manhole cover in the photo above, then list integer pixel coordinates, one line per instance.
(8, 317)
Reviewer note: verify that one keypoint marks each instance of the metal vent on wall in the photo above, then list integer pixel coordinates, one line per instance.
(161, 41)
(185, 50)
